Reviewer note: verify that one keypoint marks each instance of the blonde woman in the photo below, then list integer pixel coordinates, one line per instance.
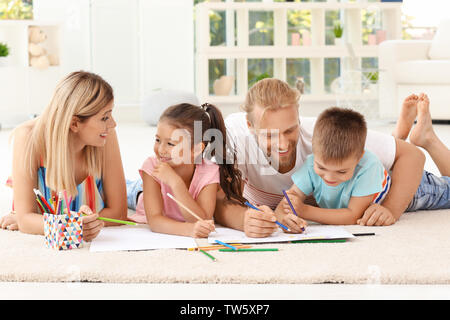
(71, 146)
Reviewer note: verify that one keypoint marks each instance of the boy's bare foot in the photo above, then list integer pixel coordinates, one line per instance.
(423, 134)
(407, 117)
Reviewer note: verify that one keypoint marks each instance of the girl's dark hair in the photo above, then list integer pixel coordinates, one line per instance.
(184, 115)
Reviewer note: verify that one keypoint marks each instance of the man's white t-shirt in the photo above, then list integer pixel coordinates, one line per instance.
(263, 183)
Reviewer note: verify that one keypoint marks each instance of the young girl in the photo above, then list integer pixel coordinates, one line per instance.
(71, 146)
(180, 167)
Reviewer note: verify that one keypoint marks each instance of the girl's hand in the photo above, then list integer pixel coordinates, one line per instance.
(376, 215)
(91, 226)
(294, 223)
(202, 229)
(9, 222)
(165, 173)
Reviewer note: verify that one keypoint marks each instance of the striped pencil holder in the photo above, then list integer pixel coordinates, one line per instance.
(63, 231)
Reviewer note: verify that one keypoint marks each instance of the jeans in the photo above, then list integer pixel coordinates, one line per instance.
(134, 188)
(433, 193)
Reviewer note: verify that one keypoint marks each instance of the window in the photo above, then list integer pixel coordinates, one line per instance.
(16, 9)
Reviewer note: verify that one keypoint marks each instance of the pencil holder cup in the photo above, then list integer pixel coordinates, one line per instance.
(63, 231)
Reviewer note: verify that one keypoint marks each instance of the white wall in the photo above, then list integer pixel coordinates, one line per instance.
(136, 45)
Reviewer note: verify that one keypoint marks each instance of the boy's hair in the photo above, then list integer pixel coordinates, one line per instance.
(184, 116)
(270, 93)
(338, 134)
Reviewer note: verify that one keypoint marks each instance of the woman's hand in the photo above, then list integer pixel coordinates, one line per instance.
(9, 222)
(202, 228)
(91, 226)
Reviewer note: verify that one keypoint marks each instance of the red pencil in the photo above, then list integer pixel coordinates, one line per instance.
(39, 194)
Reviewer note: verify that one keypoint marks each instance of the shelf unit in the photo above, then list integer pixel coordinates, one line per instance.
(25, 88)
(237, 49)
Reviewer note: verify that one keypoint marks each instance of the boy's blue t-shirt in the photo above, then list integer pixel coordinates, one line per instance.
(368, 178)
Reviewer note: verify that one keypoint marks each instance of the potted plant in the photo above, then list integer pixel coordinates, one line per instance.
(4, 52)
(338, 30)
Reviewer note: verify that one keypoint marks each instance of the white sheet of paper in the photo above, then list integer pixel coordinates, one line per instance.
(313, 232)
(137, 238)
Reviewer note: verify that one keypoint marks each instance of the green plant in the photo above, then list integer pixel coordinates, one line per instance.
(373, 77)
(338, 29)
(4, 50)
(16, 9)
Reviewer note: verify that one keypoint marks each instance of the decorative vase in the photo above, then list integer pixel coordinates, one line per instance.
(223, 85)
(295, 39)
(338, 41)
(372, 40)
(4, 61)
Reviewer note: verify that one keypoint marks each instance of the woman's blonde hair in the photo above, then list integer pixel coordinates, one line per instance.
(270, 93)
(81, 94)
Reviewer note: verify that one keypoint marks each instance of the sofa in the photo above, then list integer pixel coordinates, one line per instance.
(415, 66)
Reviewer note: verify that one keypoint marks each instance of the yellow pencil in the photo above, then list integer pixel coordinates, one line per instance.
(183, 206)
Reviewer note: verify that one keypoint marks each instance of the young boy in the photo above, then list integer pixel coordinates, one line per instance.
(343, 177)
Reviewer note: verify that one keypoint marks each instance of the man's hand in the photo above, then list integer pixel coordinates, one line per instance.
(259, 224)
(376, 215)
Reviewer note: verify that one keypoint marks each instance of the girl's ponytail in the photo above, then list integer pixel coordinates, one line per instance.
(230, 176)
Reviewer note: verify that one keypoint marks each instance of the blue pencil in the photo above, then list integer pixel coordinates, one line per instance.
(253, 207)
(290, 205)
(226, 245)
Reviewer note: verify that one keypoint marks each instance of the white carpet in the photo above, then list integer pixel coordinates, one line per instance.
(415, 250)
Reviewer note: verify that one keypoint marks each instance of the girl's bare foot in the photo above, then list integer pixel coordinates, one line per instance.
(423, 134)
(406, 118)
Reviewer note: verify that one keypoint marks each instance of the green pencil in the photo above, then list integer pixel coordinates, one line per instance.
(209, 256)
(243, 249)
(116, 220)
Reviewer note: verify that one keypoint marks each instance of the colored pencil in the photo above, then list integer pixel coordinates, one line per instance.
(44, 202)
(131, 223)
(208, 255)
(319, 241)
(41, 206)
(67, 201)
(226, 245)
(364, 234)
(292, 207)
(253, 207)
(183, 206)
(215, 248)
(247, 250)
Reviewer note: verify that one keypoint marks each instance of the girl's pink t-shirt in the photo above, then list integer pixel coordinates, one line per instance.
(205, 173)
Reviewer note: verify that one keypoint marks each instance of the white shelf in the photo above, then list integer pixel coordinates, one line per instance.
(238, 99)
(263, 52)
(264, 6)
(238, 51)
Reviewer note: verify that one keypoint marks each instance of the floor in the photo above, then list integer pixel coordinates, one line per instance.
(136, 141)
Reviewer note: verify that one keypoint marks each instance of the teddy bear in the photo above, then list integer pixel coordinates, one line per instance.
(37, 54)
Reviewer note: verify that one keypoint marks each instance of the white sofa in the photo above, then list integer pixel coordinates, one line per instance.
(415, 66)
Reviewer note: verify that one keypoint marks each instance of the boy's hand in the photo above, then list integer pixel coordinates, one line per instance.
(296, 202)
(165, 173)
(259, 224)
(376, 215)
(294, 223)
(202, 229)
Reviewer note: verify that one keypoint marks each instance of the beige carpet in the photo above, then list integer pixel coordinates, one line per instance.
(416, 250)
